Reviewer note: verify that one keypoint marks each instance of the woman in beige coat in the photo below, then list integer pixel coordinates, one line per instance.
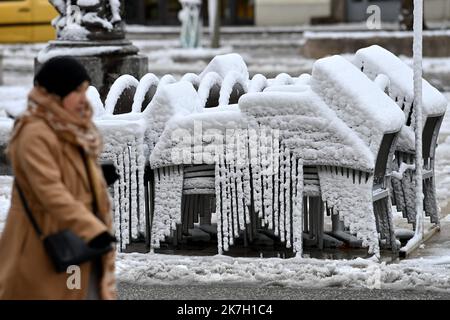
(62, 189)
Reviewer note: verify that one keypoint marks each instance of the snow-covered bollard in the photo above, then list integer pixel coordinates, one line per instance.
(374, 61)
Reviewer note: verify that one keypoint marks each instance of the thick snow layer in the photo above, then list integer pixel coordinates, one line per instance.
(376, 60)
(309, 128)
(195, 138)
(179, 98)
(192, 78)
(47, 54)
(71, 32)
(357, 100)
(281, 79)
(123, 83)
(417, 274)
(94, 99)
(257, 83)
(211, 80)
(223, 64)
(303, 79)
(232, 80)
(286, 88)
(147, 83)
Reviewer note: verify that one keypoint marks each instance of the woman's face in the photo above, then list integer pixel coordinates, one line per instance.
(75, 102)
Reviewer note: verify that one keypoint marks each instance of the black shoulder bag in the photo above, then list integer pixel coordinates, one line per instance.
(64, 248)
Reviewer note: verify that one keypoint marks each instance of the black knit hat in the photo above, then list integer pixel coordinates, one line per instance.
(61, 75)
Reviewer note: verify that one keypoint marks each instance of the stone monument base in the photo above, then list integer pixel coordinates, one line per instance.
(105, 61)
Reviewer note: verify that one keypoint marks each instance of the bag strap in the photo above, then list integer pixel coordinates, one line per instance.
(94, 197)
(28, 211)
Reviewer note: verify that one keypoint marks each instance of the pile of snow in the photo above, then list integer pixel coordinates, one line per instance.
(47, 53)
(308, 127)
(224, 64)
(417, 274)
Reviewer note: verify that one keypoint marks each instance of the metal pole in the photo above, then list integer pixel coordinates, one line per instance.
(418, 51)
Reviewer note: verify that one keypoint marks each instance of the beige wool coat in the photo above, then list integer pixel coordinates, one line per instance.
(52, 175)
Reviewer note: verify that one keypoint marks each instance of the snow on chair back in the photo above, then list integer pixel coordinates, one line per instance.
(223, 64)
(167, 79)
(281, 79)
(359, 102)
(303, 79)
(178, 98)
(120, 96)
(234, 85)
(209, 89)
(192, 78)
(94, 99)
(376, 60)
(257, 84)
(145, 92)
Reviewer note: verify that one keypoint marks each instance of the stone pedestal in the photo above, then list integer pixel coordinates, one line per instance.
(105, 61)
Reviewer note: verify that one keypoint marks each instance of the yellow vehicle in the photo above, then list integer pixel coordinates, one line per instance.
(26, 21)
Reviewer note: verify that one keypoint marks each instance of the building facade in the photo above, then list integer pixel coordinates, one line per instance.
(165, 12)
(279, 12)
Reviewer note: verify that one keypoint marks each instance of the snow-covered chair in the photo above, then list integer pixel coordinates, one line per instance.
(173, 101)
(123, 136)
(375, 62)
(201, 177)
(120, 96)
(331, 154)
(373, 116)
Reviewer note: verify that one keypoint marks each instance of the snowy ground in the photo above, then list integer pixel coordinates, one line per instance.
(417, 274)
(430, 273)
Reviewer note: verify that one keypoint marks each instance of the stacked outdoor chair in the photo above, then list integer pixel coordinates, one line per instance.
(367, 110)
(305, 146)
(375, 61)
